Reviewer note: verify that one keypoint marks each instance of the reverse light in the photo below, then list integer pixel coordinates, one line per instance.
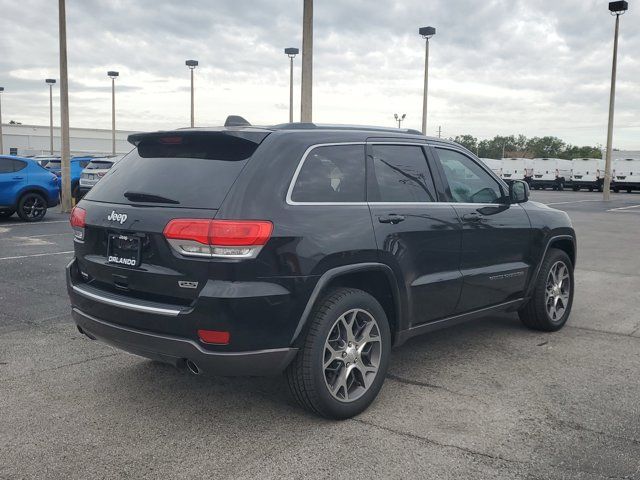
(218, 238)
(77, 220)
(214, 336)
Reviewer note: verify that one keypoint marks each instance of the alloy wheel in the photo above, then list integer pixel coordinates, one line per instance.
(33, 207)
(352, 354)
(557, 291)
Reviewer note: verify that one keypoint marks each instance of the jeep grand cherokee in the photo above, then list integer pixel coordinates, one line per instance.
(310, 250)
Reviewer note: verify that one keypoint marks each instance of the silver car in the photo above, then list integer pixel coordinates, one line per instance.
(93, 172)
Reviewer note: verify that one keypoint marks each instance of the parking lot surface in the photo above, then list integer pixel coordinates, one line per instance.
(487, 399)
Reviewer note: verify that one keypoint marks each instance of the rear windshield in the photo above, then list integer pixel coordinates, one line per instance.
(181, 170)
(54, 164)
(99, 165)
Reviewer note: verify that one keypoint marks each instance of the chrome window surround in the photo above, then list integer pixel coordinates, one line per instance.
(312, 147)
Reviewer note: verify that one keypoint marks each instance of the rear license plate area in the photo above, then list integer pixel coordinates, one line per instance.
(124, 250)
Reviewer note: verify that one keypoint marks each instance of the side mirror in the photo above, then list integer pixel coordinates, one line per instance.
(518, 191)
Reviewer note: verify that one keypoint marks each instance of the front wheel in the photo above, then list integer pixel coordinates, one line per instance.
(341, 366)
(32, 207)
(550, 305)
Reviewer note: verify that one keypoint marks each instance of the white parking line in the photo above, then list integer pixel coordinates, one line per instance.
(36, 255)
(11, 225)
(621, 209)
(574, 201)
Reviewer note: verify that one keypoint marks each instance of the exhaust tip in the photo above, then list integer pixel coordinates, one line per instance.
(193, 368)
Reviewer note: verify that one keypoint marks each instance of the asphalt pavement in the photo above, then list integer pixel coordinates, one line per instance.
(487, 399)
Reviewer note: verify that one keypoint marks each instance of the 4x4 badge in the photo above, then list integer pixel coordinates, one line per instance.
(117, 217)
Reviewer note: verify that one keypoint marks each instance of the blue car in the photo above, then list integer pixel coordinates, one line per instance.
(26, 188)
(77, 165)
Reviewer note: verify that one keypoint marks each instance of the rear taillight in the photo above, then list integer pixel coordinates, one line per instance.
(77, 220)
(214, 336)
(218, 238)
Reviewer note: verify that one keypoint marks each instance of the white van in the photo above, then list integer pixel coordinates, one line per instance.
(494, 165)
(517, 168)
(550, 172)
(587, 173)
(626, 174)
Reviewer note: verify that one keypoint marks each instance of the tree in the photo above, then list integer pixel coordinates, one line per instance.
(551, 147)
(467, 141)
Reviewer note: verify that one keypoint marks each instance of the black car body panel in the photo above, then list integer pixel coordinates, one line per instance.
(431, 263)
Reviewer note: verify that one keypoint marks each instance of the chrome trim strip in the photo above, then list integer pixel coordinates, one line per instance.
(128, 305)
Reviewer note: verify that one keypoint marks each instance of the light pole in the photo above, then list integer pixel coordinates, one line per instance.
(1, 146)
(399, 118)
(113, 75)
(617, 9)
(426, 33)
(192, 64)
(306, 81)
(65, 150)
(291, 53)
(50, 82)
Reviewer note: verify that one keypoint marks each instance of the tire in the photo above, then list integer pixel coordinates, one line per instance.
(32, 207)
(316, 384)
(591, 189)
(6, 213)
(616, 189)
(560, 187)
(535, 313)
(629, 190)
(575, 189)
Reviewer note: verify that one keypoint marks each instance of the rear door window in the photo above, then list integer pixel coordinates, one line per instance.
(332, 174)
(401, 174)
(19, 165)
(190, 170)
(6, 165)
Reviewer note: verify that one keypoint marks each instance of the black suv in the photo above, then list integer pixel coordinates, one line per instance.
(310, 250)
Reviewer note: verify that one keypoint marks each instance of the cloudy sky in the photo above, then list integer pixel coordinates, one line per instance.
(537, 67)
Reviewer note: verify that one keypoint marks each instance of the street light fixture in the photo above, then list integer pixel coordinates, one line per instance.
(1, 146)
(50, 82)
(617, 9)
(192, 64)
(291, 53)
(113, 75)
(426, 33)
(399, 118)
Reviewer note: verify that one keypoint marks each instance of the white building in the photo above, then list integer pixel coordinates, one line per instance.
(35, 140)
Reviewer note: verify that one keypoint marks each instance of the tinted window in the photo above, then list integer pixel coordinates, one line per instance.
(19, 165)
(54, 164)
(332, 174)
(84, 163)
(99, 165)
(468, 182)
(194, 170)
(6, 165)
(401, 174)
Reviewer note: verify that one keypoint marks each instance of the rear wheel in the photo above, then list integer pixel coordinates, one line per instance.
(550, 306)
(616, 189)
(32, 207)
(575, 189)
(341, 366)
(629, 190)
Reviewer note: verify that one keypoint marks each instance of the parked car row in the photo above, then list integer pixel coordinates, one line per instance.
(30, 185)
(558, 173)
(26, 188)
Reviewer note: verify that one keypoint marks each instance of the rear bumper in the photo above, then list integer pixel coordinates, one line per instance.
(176, 350)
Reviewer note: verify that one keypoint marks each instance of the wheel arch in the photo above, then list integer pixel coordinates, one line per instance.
(566, 243)
(377, 279)
(31, 189)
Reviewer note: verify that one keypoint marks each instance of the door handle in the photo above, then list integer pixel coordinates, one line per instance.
(18, 178)
(392, 218)
(472, 217)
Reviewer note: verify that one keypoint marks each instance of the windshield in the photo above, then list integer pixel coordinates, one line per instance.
(99, 165)
(185, 170)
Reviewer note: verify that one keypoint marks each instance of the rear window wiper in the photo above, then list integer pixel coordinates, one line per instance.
(148, 197)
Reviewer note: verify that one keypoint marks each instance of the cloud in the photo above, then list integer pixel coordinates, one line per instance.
(536, 67)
